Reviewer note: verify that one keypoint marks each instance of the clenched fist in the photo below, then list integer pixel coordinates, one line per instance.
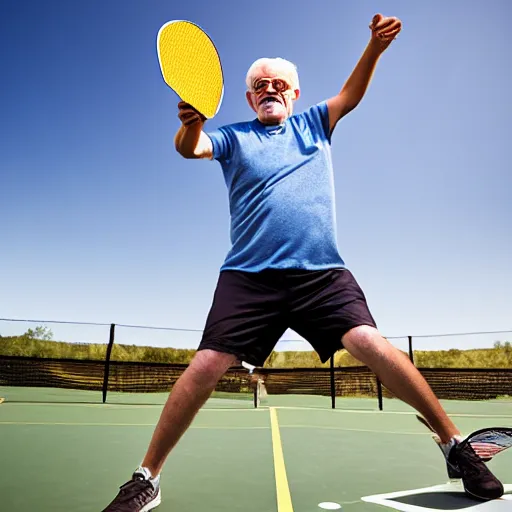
(384, 30)
(188, 115)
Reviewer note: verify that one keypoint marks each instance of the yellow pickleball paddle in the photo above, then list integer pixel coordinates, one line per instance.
(191, 66)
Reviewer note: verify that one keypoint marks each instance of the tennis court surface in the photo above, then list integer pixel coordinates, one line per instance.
(64, 450)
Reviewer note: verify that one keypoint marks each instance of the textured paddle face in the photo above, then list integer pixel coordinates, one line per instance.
(487, 442)
(191, 66)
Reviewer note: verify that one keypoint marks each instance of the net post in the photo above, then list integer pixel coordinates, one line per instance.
(379, 393)
(411, 355)
(333, 386)
(107, 360)
(255, 395)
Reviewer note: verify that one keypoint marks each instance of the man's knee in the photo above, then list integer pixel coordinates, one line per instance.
(364, 340)
(210, 365)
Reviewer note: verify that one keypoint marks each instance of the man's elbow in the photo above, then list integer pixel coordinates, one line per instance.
(350, 107)
(350, 102)
(185, 153)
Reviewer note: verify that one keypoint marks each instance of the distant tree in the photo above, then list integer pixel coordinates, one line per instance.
(39, 333)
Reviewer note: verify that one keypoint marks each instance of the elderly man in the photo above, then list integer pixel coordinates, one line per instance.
(284, 269)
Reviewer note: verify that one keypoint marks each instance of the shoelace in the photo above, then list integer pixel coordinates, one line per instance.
(136, 489)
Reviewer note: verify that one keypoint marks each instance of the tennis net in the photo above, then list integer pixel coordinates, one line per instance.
(49, 379)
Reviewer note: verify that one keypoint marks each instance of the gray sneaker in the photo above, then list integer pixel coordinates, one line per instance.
(140, 494)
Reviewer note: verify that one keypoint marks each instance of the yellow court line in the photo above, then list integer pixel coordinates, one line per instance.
(284, 499)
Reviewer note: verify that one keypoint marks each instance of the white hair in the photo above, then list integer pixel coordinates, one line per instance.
(287, 67)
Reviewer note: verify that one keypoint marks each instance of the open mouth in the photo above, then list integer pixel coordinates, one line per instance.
(269, 99)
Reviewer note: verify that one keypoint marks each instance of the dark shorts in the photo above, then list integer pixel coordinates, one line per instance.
(251, 311)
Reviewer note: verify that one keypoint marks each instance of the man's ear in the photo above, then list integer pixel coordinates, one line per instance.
(296, 94)
(248, 95)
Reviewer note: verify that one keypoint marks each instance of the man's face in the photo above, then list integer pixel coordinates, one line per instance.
(271, 95)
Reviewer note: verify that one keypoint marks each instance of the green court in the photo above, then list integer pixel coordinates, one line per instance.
(290, 454)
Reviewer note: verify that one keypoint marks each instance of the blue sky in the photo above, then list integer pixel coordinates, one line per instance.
(102, 221)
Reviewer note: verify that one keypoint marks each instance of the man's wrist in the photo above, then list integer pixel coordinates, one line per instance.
(376, 47)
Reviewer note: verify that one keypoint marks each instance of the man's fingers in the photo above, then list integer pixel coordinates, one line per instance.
(384, 24)
(184, 104)
(185, 114)
(385, 27)
(189, 116)
(389, 29)
(188, 112)
(376, 20)
(390, 35)
(191, 120)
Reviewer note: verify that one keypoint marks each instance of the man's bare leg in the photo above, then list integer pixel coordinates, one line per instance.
(399, 375)
(188, 395)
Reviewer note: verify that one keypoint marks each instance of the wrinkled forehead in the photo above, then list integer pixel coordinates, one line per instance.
(272, 71)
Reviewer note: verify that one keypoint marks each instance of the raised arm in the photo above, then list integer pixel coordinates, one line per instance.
(190, 140)
(384, 30)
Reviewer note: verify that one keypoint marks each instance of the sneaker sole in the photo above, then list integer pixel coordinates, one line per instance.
(153, 504)
(480, 497)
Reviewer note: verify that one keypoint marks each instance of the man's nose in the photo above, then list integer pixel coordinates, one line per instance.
(270, 87)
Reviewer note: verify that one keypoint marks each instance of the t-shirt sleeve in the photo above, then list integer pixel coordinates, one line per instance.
(223, 143)
(317, 117)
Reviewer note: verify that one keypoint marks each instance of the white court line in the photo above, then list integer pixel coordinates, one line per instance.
(90, 424)
(252, 409)
(400, 413)
(127, 406)
(324, 427)
(387, 500)
(98, 424)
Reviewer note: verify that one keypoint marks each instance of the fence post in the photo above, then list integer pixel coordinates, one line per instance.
(333, 386)
(107, 360)
(411, 355)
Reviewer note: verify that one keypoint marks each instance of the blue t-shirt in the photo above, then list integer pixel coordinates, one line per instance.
(281, 193)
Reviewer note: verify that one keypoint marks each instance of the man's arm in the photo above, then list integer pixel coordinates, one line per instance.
(190, 140)
(384, 30)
